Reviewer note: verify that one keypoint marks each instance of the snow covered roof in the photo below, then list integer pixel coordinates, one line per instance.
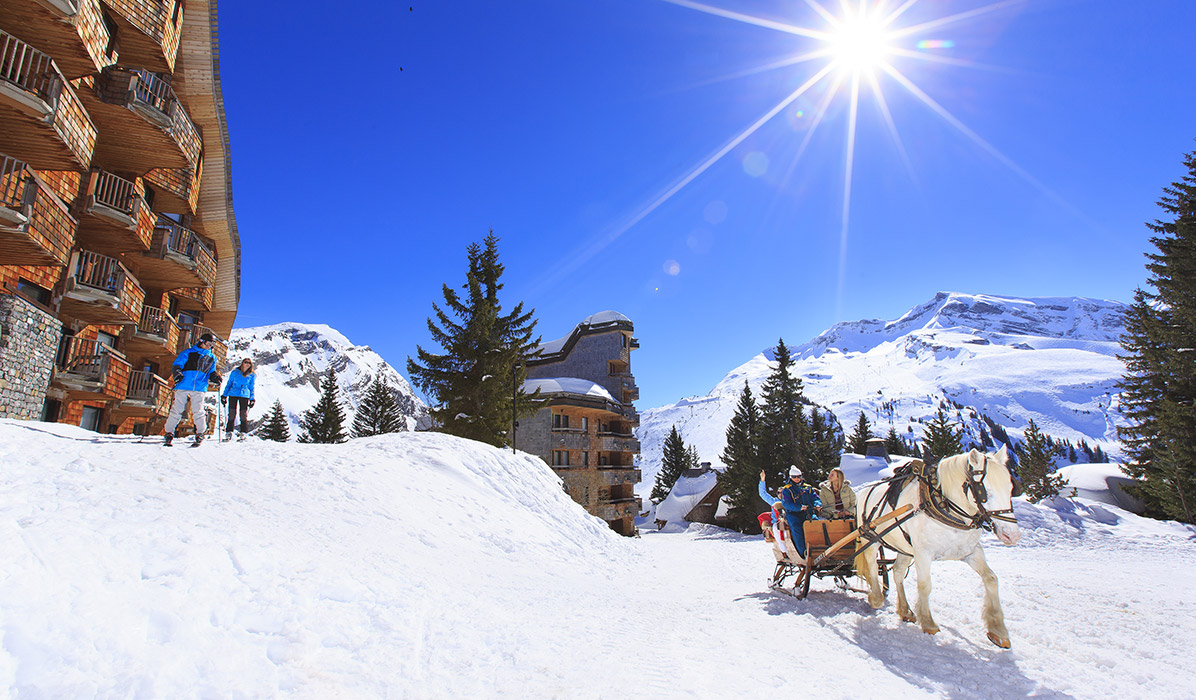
(602, 318)
(567, 385)
(687, 493)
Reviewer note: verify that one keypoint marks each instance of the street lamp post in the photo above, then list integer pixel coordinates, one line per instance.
(514, 407)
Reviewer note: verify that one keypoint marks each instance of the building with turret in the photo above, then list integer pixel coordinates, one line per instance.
(585, 429)
(118, 243)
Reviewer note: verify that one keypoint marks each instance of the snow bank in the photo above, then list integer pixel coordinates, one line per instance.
(384, 567)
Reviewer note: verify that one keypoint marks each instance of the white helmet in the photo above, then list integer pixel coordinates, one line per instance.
(794, 471)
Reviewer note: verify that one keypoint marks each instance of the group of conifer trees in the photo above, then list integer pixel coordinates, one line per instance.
(773, 435)
(1158, 391)
(675, 459)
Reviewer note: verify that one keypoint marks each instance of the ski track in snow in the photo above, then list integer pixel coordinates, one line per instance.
(423, 566)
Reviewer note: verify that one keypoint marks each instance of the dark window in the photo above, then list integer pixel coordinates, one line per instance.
(113, 46)
(149, 198)
(50, 411)
(585, 459)
(173, 307)
(585, 424)
(560, 420)
(33, 291)
(560, 458)
(106, 339)
(90, 419)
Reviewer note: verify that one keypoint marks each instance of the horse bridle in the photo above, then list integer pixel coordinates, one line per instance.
(975, 486)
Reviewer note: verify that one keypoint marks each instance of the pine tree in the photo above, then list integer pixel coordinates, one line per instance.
(893, 443)
(325, 422)
(673, 464)
(482, 368)
(858, 441)
(378, 412)
(276, 427)
(826, 445)
(1158, 391)
(940, 439)
(1035, 458)
(785, 436)
(742, 457)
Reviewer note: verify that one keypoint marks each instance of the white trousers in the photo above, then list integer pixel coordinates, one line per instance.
(197, 413)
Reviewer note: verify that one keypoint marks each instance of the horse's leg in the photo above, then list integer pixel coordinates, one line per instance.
(867, 568)
(994, 618)
(900, 569)
(922, 564)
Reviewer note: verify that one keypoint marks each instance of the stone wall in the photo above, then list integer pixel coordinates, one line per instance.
(589, 359)
(28, 342)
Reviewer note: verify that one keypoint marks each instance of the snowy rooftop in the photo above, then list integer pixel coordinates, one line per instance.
(687, 493)
(599, 319)
(567, 385)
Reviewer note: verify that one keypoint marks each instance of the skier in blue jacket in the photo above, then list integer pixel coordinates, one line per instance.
(192, 370)
(800, 503)
(238, 396)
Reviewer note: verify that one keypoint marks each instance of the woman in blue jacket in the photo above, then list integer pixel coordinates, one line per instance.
(238, 396)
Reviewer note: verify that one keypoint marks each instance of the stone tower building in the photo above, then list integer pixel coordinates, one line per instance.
(585, 430)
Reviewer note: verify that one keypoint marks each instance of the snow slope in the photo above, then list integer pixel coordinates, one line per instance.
(1052, 360)
(291, 358)
(419, 565)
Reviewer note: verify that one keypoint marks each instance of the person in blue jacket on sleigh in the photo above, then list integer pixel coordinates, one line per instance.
(801, 504)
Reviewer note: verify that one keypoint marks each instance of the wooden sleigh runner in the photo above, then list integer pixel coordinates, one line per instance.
(828, 553)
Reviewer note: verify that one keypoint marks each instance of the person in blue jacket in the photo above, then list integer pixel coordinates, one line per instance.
(192, 370)
(238, 396)
(800, 503)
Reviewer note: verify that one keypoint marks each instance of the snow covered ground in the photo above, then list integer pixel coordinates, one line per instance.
(423, 566)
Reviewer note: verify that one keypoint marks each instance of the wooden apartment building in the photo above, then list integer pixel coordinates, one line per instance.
(585, 430)
(118, 244)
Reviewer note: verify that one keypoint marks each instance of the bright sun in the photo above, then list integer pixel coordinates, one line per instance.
(859, 42)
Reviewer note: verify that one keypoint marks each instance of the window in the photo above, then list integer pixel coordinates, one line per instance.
(603, 460)
(113, 43)
(559, 421)
(585, 424)
(33, 291)
(106, 339)
(90, 419)
(560, 458)
(50, 411)
(585, 459)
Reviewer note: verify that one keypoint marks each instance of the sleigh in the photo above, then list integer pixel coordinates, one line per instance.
(831, 548)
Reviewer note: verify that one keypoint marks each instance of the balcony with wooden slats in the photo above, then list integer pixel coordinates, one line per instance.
(88, 370)
(100, 291)
(156, 335)
(114, 217)
(147, 396)
(149, 31)
(194, 298)
(143, 125)
(42, 118)
(189, 336)
(178, 258)
(176, 191)
(72, 31)
(36, 228)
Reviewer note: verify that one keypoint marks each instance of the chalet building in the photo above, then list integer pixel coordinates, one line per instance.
(696, 497)
(585, 430)
(118, 244)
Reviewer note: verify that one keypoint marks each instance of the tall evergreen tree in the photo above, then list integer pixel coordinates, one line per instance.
(481, 371)
(826, 444)
(941, 439)
(276, 427)
(378, 412)
(858, 441)
(742, 457)
(893, 443)
(325, 422)
(1035, 459)
(675, 461)
(1158, 391)
(785, 438)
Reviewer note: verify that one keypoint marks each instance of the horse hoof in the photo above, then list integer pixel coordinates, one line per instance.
(1002, 642)
(930, 630)
(908, 617)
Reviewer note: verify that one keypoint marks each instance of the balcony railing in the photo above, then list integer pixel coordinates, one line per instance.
(36, 228)
(115, 192)
(12, 183)
(183, 242)
(156, 322)
(29, 69)
(146, 387)
(87, 358)
(99, 272)
(151, 90)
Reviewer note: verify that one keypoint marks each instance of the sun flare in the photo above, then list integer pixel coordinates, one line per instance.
(860, 42)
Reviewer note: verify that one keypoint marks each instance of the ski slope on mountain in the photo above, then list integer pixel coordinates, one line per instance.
(1053, 360)
(418, 565)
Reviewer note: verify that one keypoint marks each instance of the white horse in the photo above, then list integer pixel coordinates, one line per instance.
(954, 502)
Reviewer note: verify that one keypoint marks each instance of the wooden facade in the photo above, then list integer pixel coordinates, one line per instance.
(115, 196)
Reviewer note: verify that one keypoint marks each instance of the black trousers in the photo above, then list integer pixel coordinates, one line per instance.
(237, 404)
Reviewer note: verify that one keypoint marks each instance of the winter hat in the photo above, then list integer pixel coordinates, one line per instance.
(794, 471)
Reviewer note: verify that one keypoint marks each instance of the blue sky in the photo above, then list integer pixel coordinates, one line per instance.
(372, 145)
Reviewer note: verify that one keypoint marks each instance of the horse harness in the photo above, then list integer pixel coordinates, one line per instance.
(935, 504)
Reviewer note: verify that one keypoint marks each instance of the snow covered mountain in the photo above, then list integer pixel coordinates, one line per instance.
(292, 357)
(1009, 359)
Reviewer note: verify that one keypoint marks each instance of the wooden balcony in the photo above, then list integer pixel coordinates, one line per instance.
(177, 259)
(72, 31)
(114, 216)
(176, 191)
(147, 396)
(611, 442)
(143, 125)
(88, 370)
(149, 31)
(194, 298)
(156, 335)
(189, 336)
(41, 116)
(36, 228)
(100, 291)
